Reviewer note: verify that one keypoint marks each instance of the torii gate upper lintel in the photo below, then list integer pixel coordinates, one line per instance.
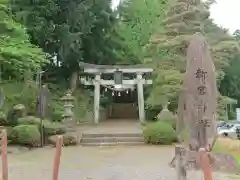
(118, 71)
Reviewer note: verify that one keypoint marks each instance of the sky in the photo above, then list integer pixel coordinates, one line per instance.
(226, 13)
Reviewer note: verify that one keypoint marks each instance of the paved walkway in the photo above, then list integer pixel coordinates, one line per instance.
(100, 163)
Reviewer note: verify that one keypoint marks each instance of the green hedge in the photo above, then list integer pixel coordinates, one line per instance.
(171, 122)
(159, 132)
(50, 128)
(28, 132)
(168, 117)
(27, 135)
(3, 119)
(18, 111)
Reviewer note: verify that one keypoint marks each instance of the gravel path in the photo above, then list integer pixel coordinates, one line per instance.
(100, 163)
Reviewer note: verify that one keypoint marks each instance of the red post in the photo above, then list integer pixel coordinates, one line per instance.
(58, 152)
(4, 156)
(205, 164)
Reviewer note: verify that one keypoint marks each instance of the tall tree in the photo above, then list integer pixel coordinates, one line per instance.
(73, 31)
(183, 19)
(138, 20)
(17, 55)
(230, 85)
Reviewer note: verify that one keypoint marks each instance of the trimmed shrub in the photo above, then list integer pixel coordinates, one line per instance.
(56, 108)
(171, 122)
(18, 111)
(56, 116)
(159, 133)
(29, 120)
(167, 116)
(27, 135)
(50, 128)
(3, 119)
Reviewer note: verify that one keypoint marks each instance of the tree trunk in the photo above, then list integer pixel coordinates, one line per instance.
(73, 81)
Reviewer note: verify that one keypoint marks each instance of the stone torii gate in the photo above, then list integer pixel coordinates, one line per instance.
(118, 83)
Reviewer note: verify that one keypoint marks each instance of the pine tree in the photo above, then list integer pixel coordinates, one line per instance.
(183, 19)
(168, 45)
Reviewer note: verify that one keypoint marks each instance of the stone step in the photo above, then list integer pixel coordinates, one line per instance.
(113, 144)
(96, 135)
(111, 139)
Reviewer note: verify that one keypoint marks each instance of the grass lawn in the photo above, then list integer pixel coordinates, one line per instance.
(228, 146)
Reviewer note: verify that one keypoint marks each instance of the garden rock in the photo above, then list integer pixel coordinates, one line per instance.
(29, 120)
(68, 139)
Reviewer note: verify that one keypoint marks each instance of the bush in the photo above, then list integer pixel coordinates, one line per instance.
(3, 119)
(167, 116)
(171, 122)
(29, 120)
(27, 135)
(15, 113)
(50, 128)
(56, 109)
(159, 133)
(56, 116)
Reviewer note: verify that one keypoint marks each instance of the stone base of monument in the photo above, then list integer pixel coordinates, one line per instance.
(219, 162)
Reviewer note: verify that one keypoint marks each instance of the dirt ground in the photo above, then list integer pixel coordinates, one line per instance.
(100, 163)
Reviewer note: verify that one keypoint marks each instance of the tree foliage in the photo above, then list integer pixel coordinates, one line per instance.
(155, 33)
(17, 55)
(230, 85)
(73, 31)
(169, 45)
(138, 20)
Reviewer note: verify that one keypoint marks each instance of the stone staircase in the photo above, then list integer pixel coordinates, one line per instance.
(111, 139)
(124, 111)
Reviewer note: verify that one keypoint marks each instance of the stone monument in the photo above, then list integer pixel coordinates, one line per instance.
(197, 115)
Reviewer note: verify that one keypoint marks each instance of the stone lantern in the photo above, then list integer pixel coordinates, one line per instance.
(68, 106)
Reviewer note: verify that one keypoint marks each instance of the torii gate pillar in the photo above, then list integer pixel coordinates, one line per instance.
(141, 110)
(96, 98)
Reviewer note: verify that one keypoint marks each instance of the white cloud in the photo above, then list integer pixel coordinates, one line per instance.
(226, 13)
